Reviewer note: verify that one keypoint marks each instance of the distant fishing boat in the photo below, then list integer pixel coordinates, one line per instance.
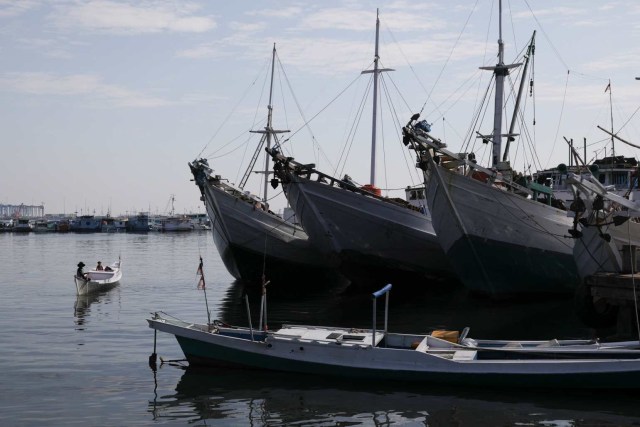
(44, 226)
(85, 223)
(175, 222)
(444, 357)
(62, 225)
(199, 221)
(113, 225)
(23, 225)
(142, 222)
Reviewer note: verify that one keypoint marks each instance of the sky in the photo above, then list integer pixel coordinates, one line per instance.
(104, 103)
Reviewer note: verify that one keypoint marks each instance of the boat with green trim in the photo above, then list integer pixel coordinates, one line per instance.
(447, 358)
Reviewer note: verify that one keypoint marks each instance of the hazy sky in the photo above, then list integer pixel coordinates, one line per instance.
(105, 102)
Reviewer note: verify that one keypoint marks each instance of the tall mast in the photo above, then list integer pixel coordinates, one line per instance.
(511, 135)
(500, 70)
(613, 147)
(376, 71)
(268, 128)
(372, 180)
(267, 133)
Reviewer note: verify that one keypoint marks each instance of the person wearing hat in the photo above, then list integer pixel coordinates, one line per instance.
(99, 266)
(79, 272)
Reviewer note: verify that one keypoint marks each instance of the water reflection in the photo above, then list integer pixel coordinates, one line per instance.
(211, 396)
(413, 311)
(82, 306)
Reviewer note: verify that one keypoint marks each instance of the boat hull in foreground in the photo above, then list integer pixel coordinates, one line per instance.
(347, 352)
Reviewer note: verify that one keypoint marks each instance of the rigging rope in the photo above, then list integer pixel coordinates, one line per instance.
(449, 57)
(398, 91)
(244, 154)
(230, 114)
(462, 92)
(627, 122)
(407, 61)
(300, 111)
(255, 115)
(480, 114)
(244, 133)
(284, 104)
(398, 126)
(566, 67)
(319, 112)
(564, 99)
(513, 28)
(346, 149)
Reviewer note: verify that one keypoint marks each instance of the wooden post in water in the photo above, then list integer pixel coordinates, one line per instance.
(153, 359)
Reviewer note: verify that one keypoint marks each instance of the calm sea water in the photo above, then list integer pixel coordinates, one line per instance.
(67, 360)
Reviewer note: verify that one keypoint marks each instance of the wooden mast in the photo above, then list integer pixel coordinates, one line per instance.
(376, 71)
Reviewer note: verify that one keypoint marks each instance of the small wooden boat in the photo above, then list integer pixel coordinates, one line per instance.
(452, 359)
(97, 280)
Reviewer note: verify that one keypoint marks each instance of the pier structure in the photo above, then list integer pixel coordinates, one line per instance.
(608, 299)
(21, 211)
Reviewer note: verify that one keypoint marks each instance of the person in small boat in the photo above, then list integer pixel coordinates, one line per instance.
(79, 272)
(107, 268)
(99, 267)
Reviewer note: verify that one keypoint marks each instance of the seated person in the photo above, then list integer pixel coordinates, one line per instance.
(79, 272)
(99, 266)
(107, 268)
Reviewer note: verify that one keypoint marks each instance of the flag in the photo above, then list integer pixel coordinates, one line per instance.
(199, 272)
(200, 268)
(608, 87)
